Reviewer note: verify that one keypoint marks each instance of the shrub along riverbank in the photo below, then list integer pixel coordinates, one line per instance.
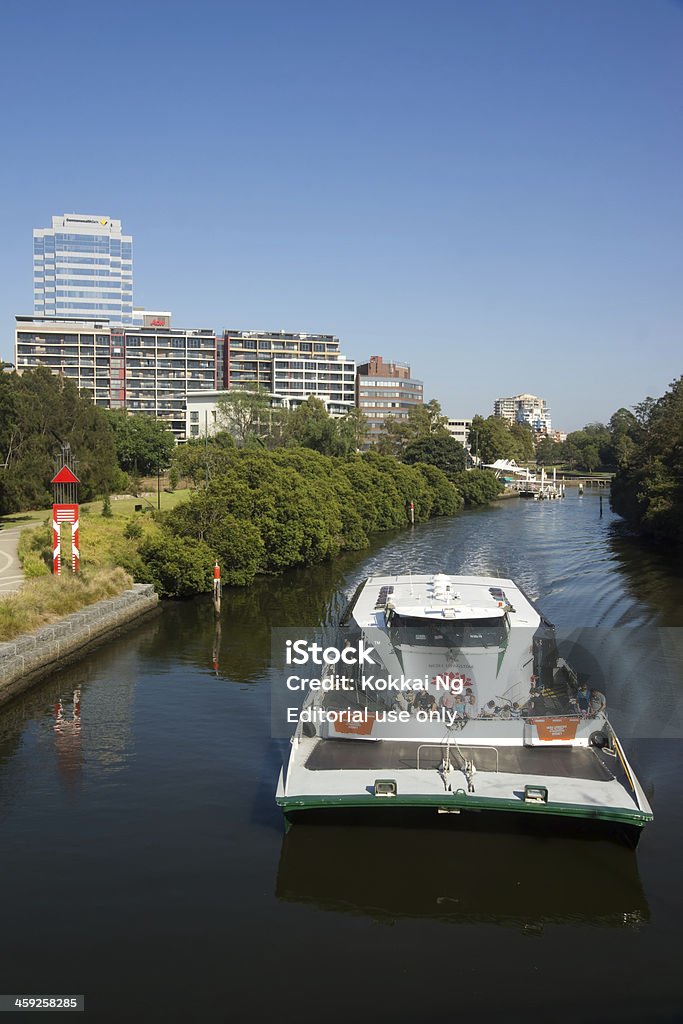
(263, 512)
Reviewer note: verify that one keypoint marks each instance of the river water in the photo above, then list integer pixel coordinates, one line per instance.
(144, 862)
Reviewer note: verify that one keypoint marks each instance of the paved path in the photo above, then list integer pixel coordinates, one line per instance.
(11, 575)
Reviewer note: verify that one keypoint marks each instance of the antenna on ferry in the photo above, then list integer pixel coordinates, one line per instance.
(410, 577)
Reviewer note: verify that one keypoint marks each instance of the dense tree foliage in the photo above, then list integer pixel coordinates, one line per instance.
(440, 450)
(38, 410)
(143, 444)
(422, 421)
(589, 449)
(524, 436)
(248, 416)
(311, 426)
(625, 435)
(495, 438)
(177, 566)
(479, 486)
(199, 459)
(596, 447)
(265, 512)
(549, 452)
(648, 487)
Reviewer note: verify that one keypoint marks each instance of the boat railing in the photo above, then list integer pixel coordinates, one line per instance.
(626, 767)
(454, 743)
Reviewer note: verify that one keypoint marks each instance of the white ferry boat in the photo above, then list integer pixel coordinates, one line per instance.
(461, 703)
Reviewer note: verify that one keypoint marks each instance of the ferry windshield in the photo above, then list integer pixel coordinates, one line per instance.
(419, 632)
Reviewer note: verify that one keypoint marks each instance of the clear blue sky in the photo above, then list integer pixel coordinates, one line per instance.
(491, 190)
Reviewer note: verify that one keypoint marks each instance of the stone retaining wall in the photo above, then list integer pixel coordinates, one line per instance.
(24, 660)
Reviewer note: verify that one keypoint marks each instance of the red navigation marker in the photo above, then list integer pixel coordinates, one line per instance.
(65, 476)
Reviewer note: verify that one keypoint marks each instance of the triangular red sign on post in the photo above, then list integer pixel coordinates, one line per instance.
(65, 476)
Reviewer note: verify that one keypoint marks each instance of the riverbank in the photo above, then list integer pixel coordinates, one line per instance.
(24, 660)
(262, 514)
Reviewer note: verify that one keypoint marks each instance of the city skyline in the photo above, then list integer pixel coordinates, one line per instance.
(489, 193)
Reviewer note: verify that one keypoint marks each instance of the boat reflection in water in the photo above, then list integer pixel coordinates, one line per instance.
(518, 878)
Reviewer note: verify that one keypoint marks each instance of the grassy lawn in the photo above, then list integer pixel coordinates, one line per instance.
(124, 506)
(22, 518)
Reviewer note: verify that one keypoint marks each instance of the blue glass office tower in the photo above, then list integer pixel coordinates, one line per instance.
(83, 266)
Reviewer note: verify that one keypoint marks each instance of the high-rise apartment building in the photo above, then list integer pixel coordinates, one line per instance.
(146, 369)
(525, 408)
(385, 391)
(292, 366)
(83, 267)
(505, 408)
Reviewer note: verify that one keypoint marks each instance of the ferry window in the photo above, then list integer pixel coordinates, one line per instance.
(414, 631)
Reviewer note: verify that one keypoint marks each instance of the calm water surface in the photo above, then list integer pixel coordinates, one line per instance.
(144, 862)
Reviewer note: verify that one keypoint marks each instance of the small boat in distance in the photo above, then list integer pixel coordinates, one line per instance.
(459, 702)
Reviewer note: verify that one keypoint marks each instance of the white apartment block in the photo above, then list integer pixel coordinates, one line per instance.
(525, 409)
(459, 430)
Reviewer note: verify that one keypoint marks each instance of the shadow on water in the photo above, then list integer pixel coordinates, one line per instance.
(652, 574)
(455, 873)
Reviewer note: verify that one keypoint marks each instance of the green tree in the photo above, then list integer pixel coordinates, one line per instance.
(439, 450)
(177, 566)
(248, 416)
(421, 421)
(492, 438)
(143, 444)
(478, 486)
(524, 436)
(549, 452)
(626, 433)
(201, 458)
(38, 411)
(446, 498)
(311, 426)
(647, 490)
(589, 449)
(222, 518)
(353, 430)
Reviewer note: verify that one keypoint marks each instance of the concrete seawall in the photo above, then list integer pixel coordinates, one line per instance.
(24, 660)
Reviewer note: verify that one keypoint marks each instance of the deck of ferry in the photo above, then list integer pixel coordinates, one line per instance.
(359, 755)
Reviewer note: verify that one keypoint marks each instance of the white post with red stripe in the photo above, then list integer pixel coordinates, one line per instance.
(217, 588)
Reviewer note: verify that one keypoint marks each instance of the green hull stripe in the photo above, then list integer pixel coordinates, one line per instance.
(466, 803)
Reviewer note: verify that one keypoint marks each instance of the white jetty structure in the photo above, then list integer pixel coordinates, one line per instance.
(527, 483)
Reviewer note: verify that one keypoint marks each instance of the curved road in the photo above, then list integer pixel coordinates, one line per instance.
(11, 575)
